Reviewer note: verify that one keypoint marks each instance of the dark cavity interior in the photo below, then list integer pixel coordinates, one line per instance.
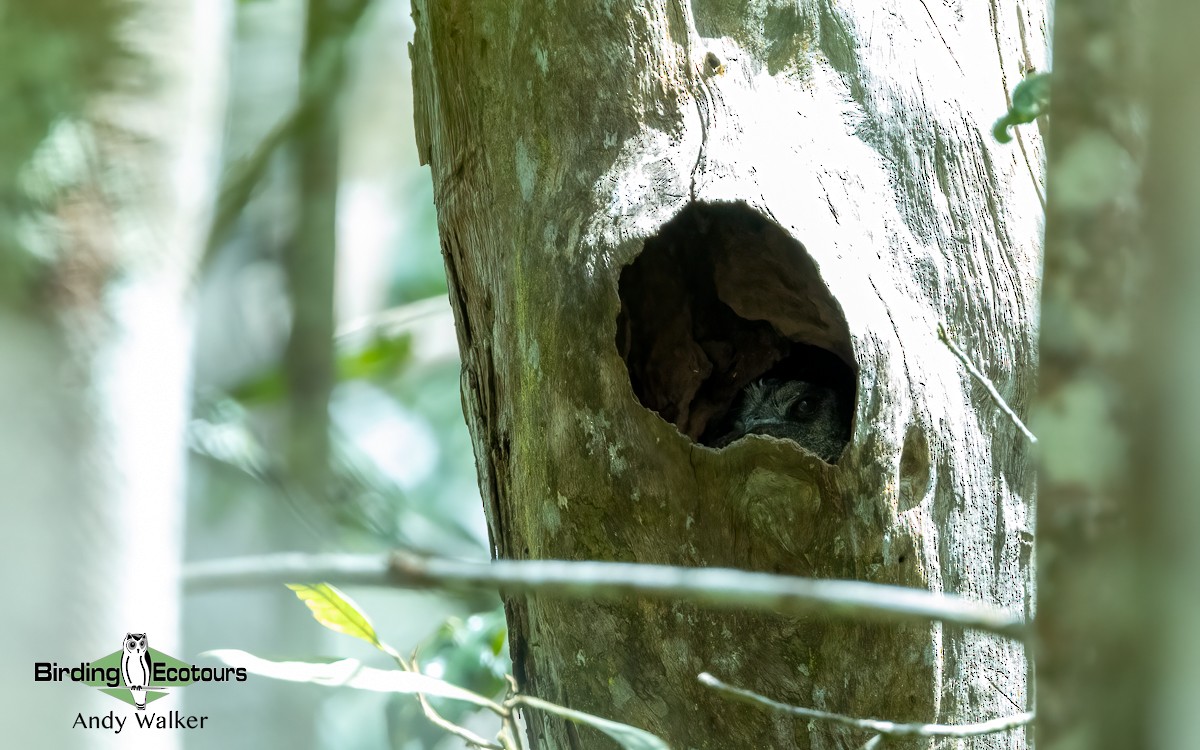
(720, 298)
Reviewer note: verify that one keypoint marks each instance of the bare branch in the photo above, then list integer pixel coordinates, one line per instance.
(243, 176)
(322, 75)
(714, 587)
(397, 319)
(878, 726)
(287, 567)
(944, 335)
(464, 734)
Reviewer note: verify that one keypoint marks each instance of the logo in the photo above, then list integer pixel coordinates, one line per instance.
(136, 669)
(137, 675)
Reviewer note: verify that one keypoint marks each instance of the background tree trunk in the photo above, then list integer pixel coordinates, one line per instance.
(110, 153)
(1118, 661)
(561, 153)
(1169, 431)
(1092, 686)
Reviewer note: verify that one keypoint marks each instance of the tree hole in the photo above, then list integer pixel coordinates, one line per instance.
(914, 469)
(727, 329)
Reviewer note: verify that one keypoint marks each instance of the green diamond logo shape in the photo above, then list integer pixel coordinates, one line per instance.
(160, 664)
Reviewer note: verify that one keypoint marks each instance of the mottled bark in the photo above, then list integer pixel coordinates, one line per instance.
(832, 183)
(1170, 428)
(1118, 410)
(1092, 677)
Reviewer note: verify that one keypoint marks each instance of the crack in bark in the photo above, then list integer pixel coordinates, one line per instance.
(694, 75)
(895, 330)
(945, 44)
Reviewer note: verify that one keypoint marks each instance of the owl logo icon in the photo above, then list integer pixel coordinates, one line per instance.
(135, 667)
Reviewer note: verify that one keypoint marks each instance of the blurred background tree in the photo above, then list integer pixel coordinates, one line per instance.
(109, 132)
(328, 415)
(274, 302)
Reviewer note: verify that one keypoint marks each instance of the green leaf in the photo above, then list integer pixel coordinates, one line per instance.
(1030, 100)
(470, 652)
(346, 673)
(265, 388)
(381, 358)
(338, 612)
(630, 738)
(1031, 97)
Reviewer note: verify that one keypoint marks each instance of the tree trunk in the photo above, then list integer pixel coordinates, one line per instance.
(1119, 663)
(648, 207)
(1091, 671)
(1169, 433)
(110, 144)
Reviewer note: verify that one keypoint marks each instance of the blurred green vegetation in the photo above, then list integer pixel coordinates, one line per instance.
(401, 467)
(55, 52)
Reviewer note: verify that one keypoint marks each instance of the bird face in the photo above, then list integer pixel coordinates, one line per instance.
(797, 410)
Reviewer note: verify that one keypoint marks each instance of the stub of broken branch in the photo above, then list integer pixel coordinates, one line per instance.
(944, 335)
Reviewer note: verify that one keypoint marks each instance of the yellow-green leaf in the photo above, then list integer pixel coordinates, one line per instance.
(336, 611)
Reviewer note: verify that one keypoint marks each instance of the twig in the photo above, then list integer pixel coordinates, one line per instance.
(874, 743)
(403, 318)
(244, 176)
(511, 727)
(322, 74)
(510, 733)
(878, 726)
(464, 734)
(714, 587)
(287, 567)
(991, 389)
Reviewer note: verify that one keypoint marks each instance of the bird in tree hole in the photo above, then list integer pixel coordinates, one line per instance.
(810, 414)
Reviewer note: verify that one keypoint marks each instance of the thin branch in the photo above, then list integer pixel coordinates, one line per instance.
(287, 567)
(512, 727)
(891, 729)
(874, 743)
(322, 75)
(462, 733)
(713, 587)
(466, 735)
(403, 318)
(510, 733)
(991, 389)
(243, 177)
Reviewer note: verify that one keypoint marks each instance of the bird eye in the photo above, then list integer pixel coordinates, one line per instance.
(804, 406)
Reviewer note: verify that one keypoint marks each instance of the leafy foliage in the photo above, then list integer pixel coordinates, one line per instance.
(338, 612)
(58, 56)
(380, 358)
(471, 651)
(1030, 100)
